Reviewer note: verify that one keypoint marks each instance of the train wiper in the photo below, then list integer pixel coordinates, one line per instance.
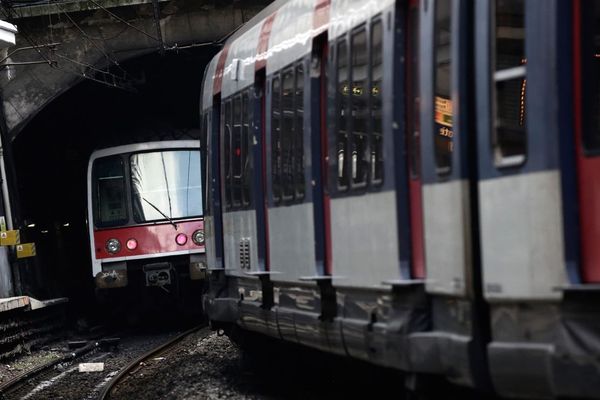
(161, 213)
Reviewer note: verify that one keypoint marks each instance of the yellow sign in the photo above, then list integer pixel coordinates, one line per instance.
(9, 238)
(443, 111)
(26, 250)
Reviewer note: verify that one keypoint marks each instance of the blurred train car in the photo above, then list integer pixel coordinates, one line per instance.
(415, 184)
(146, 226)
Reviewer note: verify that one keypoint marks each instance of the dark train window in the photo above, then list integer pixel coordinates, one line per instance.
(288, 161)
(413, 96)
(510, 140)
(246, 170)
(359, 109)
(276, 139)
(236, 153)
(359, 130)
(287, 134)
(443, 133)
(343, 97)
(227, 132)
(206, 165)
(376, 72)
(299, 134)
(110, 207)
(590, 63)
(237, 172)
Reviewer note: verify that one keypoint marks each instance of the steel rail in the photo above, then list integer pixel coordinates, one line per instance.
(24, 377)
(114, 382)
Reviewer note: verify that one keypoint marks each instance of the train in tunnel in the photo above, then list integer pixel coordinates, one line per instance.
(146, 229)
(412, 183)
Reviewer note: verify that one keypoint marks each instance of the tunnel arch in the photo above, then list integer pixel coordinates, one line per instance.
(51, 152)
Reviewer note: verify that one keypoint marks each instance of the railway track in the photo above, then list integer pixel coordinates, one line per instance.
(62, 377)
(17, 385)
(147, 359)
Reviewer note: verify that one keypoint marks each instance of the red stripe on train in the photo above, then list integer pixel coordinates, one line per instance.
(321, 15)
(263, 42)
(587, 167)
(151, 239)
(218, 80)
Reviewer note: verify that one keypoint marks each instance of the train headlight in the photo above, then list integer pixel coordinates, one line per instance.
(198, 237)
(181, 239)
(113, 246)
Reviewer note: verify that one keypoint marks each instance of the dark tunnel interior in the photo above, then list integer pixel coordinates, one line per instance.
(51, 155)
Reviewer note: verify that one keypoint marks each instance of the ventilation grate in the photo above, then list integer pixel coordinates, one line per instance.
(245, 253)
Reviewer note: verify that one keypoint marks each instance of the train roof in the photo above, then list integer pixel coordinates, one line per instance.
(145, 146)
(287, 40)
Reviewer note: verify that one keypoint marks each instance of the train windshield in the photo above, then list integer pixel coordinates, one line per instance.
(110, 207)
(166, 185)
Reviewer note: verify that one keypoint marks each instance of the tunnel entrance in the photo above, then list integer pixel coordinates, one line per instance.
(51, 155)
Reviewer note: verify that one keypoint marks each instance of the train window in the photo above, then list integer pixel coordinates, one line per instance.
(590, 63)
(287, 134)
(299, 134)
(110, 207)
(376, 72)
(510, 141)
(413, 90)
(246, 171)
(166, 185)
(443, 133)
(276, 139)
(236, 152)
(227, 131)
(359, 109)
(343, 96)
(205, 167)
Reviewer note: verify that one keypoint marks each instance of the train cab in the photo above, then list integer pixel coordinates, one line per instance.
(145, 215)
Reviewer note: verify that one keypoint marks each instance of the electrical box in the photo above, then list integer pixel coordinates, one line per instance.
(9, 238)
(26, 250)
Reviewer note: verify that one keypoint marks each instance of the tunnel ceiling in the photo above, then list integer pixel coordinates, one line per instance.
(78, 42)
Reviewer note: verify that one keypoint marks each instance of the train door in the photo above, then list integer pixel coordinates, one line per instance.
(519, 62)
(259, 155)
(321, 198)
(449, 191)
(518, 151)
(214, 210)
(445, 184)
(215, 187)
(587, 128)
(361, 151)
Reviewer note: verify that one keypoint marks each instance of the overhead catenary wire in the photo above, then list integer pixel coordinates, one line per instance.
(143, 32)
(6, 11)
(93, 42)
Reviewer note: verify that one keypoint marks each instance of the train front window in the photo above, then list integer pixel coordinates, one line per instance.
(166, 185)
(510, 141)
(110, 207)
